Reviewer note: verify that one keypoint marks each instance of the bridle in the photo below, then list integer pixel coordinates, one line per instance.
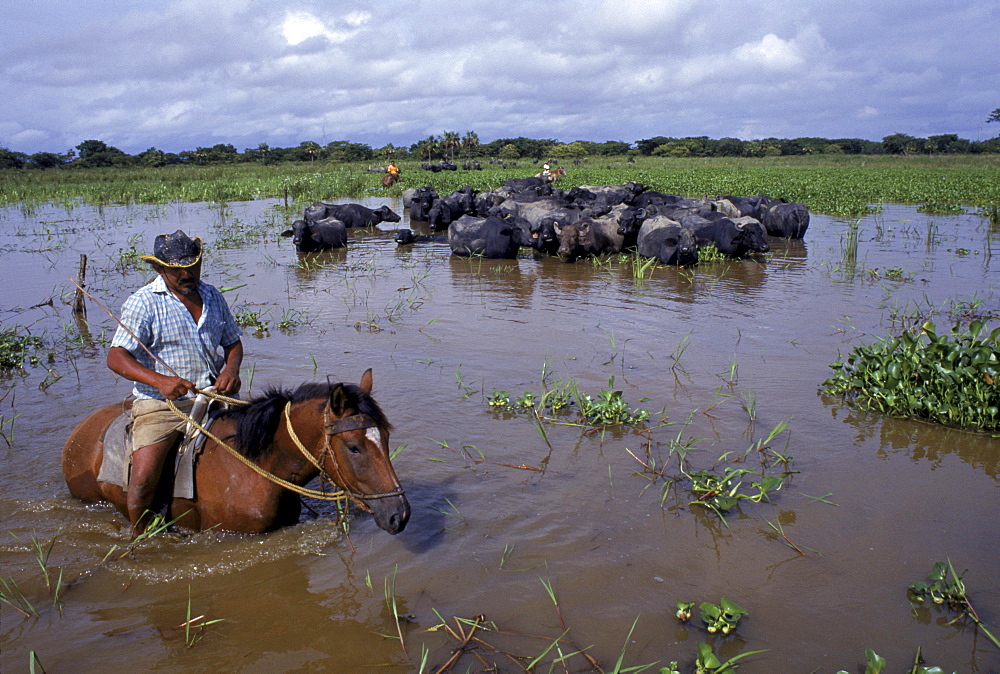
(332, 427)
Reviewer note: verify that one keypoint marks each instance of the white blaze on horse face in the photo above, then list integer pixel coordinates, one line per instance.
(375, 436)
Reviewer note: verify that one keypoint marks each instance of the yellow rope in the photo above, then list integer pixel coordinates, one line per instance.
(304, 491)
(298, 443)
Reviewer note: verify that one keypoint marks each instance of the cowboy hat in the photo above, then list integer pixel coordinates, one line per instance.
(175, 250)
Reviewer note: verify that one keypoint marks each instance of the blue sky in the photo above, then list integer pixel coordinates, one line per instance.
(178, 74)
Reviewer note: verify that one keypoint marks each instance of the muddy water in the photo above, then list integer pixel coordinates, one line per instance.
(499, 512)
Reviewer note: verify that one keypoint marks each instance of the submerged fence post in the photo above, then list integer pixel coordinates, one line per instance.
(79, 303)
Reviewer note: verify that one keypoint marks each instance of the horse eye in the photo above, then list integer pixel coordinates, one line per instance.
(354, 449)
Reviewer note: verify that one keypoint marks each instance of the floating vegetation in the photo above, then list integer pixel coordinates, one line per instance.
(946, 588)
(252, 320)
(951, 379)
(710, 253)
(607, 408)
(941, 208)
(16, 347)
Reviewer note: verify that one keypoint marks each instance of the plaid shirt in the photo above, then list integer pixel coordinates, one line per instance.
(159, 320)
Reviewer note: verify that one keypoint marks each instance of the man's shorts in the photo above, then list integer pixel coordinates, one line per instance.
(153, 421)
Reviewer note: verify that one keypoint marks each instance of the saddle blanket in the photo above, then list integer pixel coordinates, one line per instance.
(117, 462)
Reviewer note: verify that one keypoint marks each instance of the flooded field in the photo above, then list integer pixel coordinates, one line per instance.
(546, 529)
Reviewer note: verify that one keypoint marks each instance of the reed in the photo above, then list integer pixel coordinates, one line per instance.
(194, 628)
(849, 245)
(393, 606)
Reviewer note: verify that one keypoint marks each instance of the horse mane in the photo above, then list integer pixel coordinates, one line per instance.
(258, 421)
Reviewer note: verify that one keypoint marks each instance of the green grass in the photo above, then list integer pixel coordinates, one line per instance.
(847, 186)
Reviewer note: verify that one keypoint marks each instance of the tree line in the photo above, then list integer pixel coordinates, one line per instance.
(451, 146)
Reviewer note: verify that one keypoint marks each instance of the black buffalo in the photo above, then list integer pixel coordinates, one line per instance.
(787, 220)
(405, 237)
(732, 239)
(320, 235)
(356, 215)
(421, 201)
(491, 237)
(446, 210)
(666, 240)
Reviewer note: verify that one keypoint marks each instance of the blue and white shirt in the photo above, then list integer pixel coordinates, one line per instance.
(160, 321)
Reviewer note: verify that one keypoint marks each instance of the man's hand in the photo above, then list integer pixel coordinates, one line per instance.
(173, 388)
(227, 383)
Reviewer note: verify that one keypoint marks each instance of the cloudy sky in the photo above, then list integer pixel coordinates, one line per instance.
(179, 74)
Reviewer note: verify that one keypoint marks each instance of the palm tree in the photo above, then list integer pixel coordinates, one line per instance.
(310, 148)
(428, 147)
(470, 142)
(451, 142)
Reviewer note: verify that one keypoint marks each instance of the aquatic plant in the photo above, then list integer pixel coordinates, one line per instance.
(607, 408)
(251, 319)
(16, 347)
(946, 588)
(194, 628)
(875, 664)
(710, 253)
(948, 379)
(941, 208)
(707, 662)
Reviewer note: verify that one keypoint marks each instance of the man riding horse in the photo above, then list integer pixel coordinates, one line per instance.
(168, 343)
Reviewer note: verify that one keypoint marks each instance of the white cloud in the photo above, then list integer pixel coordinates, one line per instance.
(769, 52)
(183, 73)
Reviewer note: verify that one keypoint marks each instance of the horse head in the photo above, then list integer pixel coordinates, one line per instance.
(356, 454)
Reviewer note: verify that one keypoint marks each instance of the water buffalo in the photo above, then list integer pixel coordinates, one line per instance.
(787, 220)
(491, 237)
(421, 201)
(589, 236)
(320, 235)
(447, 209)
(526, 187)
(667, 241)
(356, 215)
(732, 239)
(612, 195)
(405, 237)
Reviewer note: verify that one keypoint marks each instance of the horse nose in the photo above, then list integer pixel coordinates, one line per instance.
(394, 517)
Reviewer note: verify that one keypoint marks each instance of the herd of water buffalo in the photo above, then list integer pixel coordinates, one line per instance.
(579, 222)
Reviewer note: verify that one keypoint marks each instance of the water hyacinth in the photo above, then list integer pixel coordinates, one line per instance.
(951, 379)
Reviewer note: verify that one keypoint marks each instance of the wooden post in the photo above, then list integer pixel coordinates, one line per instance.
(79, 303)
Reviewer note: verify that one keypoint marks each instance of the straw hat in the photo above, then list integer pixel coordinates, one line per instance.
(175, 250)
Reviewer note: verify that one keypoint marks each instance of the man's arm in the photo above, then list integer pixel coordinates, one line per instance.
(121, 361)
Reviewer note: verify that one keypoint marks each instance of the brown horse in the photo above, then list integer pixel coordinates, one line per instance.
(340, 426)
(553, 176)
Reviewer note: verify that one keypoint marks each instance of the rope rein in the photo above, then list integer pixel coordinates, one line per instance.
(339, 495)
(332, 427)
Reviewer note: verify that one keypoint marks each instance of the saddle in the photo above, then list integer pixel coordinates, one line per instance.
(117, 462)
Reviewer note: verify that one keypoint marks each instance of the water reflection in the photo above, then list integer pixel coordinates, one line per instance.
(500, 282)
(308, 266)
(921, 441)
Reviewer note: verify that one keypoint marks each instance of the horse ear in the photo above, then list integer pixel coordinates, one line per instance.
(338, 400)
(366, 381)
